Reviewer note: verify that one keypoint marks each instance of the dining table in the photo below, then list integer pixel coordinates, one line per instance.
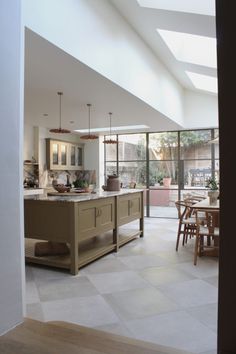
(205, 205)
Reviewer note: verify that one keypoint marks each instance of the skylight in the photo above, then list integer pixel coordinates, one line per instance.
(107, 129)
(203, 82)
(201, 7)
(191, 48)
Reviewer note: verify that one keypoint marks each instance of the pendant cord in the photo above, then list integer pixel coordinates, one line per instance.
(110, 123)
(89, 106)
(60, 94)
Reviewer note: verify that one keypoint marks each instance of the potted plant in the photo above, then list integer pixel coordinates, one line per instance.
(158, 179)
(213, 192)
(81, 183)
(166, 181)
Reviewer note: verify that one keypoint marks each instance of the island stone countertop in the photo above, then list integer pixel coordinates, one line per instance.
(81, 197)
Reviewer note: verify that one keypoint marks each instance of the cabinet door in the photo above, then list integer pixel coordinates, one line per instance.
(135, 206)
(63, 155)
(79, 156)
(129, 208)
(55, 147)
(75, 161)
(96, 217)
(105, 214)
(87, 220)
(72, 156)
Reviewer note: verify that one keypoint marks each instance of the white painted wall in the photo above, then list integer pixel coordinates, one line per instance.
(92, 152)
(200, 110)
(96, 34)
(11, 162)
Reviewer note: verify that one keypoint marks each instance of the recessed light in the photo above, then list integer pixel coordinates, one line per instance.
(72, 121)
(45, 114)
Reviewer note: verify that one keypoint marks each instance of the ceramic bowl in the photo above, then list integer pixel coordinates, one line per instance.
(61, 188)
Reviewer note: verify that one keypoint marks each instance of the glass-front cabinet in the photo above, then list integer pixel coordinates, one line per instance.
(63, 155)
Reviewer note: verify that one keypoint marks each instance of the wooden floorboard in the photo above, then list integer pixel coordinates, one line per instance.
(34, 337)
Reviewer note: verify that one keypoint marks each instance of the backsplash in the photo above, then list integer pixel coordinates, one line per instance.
(61, 176)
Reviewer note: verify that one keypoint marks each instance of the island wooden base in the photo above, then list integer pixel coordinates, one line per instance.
(90, 228)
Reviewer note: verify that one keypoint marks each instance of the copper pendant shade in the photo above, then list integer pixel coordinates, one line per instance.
(89, 136)
(110, 140)
(60, 130)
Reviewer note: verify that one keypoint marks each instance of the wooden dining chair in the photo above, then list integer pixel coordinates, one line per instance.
(207, 233)
(187, 223)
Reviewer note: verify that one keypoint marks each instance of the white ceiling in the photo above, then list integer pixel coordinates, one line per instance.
(49, 70)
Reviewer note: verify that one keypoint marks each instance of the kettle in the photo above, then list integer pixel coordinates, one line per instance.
(113, 183)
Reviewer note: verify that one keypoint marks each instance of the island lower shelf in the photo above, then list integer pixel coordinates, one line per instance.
(91, 229)
(87, 252)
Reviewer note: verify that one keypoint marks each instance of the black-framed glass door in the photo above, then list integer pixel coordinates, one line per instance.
(169, 165)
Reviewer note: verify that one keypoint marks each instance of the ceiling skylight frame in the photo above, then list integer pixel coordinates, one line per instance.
(200, 7)
(203, 82)
(191, 48)
(114, 129)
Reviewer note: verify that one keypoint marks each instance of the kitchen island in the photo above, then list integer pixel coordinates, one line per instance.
(92, 225)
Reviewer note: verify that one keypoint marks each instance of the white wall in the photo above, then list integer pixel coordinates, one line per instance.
(92, 152)
(11, 162)
(96, 34)
(200, 110)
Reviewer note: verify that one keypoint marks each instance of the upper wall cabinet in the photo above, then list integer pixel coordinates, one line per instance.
(62, 155)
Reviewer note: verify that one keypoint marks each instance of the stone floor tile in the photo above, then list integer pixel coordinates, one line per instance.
(164, 275)
(190, 293)
(88, 311)
(139, 303)
(117, 281)
(66, 288)
(175, 329)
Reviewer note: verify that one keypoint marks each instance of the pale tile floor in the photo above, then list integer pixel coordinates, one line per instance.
(146, 291)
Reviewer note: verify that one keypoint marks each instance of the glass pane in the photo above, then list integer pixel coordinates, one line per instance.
(111, 168)
(196, 173)
(110, 149)
(79, 156)
(72, 156)
(63, 154)
(162, 202)
(163, 146)
(216, 143)
(163, 173)
(132, 147)
(133, 172)
(55, 149)
(217, 170)
(194, 144)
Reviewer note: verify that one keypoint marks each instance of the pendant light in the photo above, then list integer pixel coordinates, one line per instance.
(89, 136)
(60, 130)
(110, 140)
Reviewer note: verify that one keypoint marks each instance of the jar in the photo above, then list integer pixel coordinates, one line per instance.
(113, 183)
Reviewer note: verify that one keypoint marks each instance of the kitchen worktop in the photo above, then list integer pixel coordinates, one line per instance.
(33, 191)
(79, 197)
